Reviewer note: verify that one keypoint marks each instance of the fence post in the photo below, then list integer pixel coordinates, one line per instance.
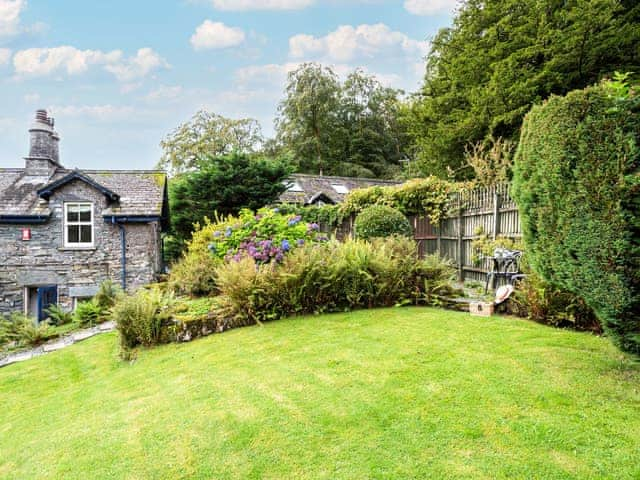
(459, 252)
(496, 212)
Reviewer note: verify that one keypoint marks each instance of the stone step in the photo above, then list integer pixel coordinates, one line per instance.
(52, 347)
(83, 335)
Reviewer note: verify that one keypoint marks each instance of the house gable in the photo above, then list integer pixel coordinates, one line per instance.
(73, 229)
(46, 191)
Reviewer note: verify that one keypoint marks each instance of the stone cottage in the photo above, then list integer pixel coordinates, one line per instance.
(63, 232)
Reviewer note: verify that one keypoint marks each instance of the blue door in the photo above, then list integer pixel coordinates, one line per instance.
(47, 296)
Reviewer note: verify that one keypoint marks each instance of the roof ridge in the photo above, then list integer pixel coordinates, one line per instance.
(118, 171)
(310, 175)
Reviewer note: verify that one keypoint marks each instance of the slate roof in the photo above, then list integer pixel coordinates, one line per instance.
(315, 186)
(140, 192)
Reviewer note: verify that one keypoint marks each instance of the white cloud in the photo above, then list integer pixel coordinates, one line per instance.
(132, 68)
(70, 60)
(275, 75)
(32, 98)
(97, 112)
(348, 43)
(216, 35)
(10, 16)
(272, 73)
(45, 61)
(130, 87)
(5, 55)
(244, 5)
(6, 124)
(164, 93)
(430, 7)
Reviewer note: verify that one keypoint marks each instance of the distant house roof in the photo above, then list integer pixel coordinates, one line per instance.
(309, 189)
(132, 193)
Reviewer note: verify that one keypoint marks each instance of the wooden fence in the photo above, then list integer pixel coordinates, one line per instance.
(490, 210)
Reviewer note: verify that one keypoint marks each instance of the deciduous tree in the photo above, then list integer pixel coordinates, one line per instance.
(207, 134)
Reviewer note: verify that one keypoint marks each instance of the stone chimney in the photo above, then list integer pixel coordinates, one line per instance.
(43, 156)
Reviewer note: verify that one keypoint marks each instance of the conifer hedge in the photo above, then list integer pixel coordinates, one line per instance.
(577, 184)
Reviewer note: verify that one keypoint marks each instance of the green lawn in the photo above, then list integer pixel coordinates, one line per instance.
(394, 393)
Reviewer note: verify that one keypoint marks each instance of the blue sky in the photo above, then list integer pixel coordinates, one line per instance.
(120, 75)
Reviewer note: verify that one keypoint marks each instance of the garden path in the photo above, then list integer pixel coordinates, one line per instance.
(56, 344)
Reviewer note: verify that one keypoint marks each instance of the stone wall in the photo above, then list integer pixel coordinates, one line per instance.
(44, 260)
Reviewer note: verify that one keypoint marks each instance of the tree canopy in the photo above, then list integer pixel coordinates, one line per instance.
(225, 185)
(500, 57)
(207, 134)
(335, 128)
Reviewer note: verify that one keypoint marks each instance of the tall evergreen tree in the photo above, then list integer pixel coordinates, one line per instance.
(502, 56)
(224, 185)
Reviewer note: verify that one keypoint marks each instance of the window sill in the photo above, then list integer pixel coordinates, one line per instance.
(77, 249)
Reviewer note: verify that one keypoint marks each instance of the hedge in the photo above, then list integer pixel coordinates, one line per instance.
(577, 185)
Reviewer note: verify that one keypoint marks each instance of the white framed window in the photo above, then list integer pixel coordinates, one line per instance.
(78, 225)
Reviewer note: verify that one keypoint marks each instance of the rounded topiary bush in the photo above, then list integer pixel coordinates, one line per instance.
(381, 221)
(577, 185)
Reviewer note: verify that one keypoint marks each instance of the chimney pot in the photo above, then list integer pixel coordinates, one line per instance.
(41, 115)
(43, 156)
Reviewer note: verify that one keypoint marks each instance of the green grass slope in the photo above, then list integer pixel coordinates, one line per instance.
(394, 393)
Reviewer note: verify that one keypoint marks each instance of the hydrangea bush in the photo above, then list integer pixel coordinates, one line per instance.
(265, 236)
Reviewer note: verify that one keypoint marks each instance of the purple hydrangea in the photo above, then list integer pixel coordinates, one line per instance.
(227, 232)
(285, 245)
(295, 220)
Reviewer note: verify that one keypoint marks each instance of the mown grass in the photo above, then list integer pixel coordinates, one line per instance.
(393, 393)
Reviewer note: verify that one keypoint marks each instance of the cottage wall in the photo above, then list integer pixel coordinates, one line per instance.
(44, 260)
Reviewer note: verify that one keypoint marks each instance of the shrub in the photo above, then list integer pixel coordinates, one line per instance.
(327, 216)
(331, 276)
(437, 275)
(265, 236)
(577, 185)
(541, 302)
(421, 196)
(140, 318)
(88, 313)
(107, 294)
(381, 221)
(23, 330)
(58, 316)
(9, 331)
(195, 273)
(33, 333)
